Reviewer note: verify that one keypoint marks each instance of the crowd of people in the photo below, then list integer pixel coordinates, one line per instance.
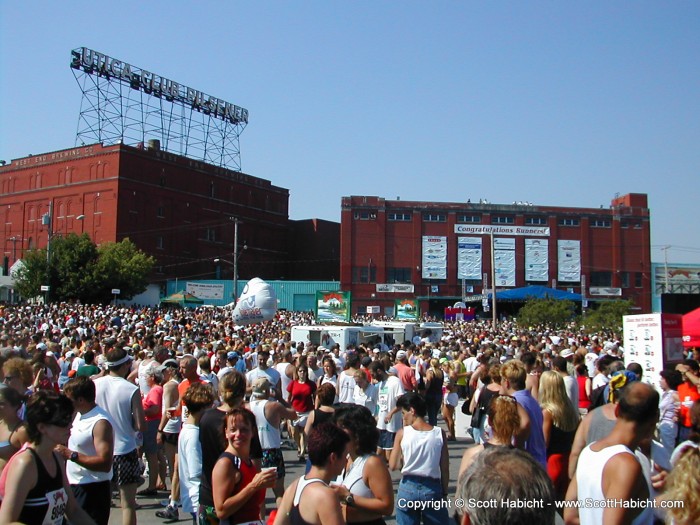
(104, 399)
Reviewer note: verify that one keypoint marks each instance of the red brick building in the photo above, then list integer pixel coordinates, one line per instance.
(435, 251)
(177, 209)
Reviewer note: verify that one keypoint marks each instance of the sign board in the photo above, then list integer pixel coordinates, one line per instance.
(654, 341)
(484, 229)
(205, 290)
(373, 309)
(116, 291)
(601, 290)
(395, 288)
(44, 288)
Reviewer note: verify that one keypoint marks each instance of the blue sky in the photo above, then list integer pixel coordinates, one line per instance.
(556, 103)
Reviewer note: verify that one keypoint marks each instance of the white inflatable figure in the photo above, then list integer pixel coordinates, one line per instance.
(256, 304)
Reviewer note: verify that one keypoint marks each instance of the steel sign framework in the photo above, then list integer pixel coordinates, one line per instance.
(122, 103)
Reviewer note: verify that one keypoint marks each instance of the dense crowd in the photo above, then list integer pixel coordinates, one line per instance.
(97, 399)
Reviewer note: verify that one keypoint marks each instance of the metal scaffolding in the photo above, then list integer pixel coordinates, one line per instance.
(122, 103)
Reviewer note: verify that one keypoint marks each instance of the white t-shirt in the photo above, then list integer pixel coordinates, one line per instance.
(388, 391)
(366, 398)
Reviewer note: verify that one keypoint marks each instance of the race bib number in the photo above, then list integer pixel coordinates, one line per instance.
(58, 501)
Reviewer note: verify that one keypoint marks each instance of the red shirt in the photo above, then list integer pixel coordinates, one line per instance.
(301, 396)
(687, 394)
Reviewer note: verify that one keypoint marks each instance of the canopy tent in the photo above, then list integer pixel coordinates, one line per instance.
(182, 298)
(536, 292)
(691, 329)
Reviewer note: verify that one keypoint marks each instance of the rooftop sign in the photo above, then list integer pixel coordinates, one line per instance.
(102, 65)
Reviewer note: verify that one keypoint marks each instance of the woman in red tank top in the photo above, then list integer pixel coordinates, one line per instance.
(584, 389)
(238, 486)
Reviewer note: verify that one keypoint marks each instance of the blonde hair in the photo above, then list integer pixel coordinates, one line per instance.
(683, 484)
(504, 418)
(514, 372)
(552, 397)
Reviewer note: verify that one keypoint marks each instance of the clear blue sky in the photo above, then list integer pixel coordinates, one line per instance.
(556, 103)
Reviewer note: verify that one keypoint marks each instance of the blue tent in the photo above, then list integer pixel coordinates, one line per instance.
(535, 292)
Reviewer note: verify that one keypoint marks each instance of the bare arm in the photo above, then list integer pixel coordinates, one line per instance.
(571, 513)
(622, 480)
(444, 465)
(524, 430)
(579, 444)
(396, 454)
(224, 479)
(137, 411)
(376, 476)
(103, 440)
(546, 426)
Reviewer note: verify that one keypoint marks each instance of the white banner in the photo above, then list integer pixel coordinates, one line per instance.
(569, 260)
(536, 260)
(469, 255)
(395, 288)
(504, 261)
(602, 290)
(205, 291)
(434, 257)
(484, 229)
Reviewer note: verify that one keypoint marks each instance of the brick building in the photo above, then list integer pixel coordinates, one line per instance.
(177, 209)
(440, 252)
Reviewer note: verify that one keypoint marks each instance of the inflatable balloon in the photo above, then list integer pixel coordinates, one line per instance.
(256, 304)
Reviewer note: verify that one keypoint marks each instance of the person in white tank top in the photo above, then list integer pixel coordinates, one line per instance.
(425, 472)
(609, 470)
(367, 479)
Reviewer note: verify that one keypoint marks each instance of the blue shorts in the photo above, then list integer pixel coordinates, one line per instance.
(386, 439)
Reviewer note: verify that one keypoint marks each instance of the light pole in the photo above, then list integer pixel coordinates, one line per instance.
(47, 220)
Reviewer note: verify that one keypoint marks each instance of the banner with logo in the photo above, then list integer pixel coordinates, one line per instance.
(407, 309)
(205, 291)
(434, 262)
(569, 261)
(469, 254)
(504, 260)
(333, 306)
(536, 260)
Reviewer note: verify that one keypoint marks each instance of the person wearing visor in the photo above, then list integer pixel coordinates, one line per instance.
(121, 399)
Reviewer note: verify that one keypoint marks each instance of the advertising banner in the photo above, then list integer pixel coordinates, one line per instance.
(485, 229)
(434, 257)
(469, 257)
(569, 261)
(333, 306)
(536, 260)
(654, 341)
(407, 309)
(504, 261)
(205, 291)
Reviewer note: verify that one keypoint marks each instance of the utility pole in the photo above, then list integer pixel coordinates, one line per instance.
(235, 260)
(665, 250)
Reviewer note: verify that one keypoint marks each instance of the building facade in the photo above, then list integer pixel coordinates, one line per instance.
(440, 253)
(181, 211)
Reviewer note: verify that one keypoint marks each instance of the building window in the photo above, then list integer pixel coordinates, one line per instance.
(210, 234)
(536, 221)
(601, 279)
(624, 224)
(469, 218)
(434, 217)
(159, 242)
(637, 279)
(398, 275)
(160, 212)
(162, 181)
(502, 220)
(401, 217)
(600, 223)
(212, 189)
(568, 222)
(365, 215)
(625, 279)
(637, 225)
(364, 274)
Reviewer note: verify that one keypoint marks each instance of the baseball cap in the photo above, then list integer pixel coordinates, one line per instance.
(168, 363)
(261, 386)
(400, 354)
(233, 355)
(566, 353)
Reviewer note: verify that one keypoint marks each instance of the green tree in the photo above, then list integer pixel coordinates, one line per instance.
(121, 265)
(608, 316)
(546, 312)
(77, 269)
